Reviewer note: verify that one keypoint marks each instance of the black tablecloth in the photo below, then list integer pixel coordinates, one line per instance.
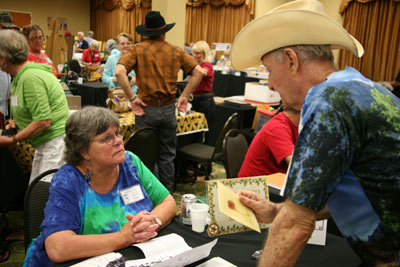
(92, 93)
(229, 84)
(237, 248)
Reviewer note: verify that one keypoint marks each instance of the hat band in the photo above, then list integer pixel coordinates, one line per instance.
(155, 29)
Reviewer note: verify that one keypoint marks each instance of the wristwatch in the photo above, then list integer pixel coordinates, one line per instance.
(158, 222)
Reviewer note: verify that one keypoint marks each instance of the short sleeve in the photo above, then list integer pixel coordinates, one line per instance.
(62, 209)
(188, 62)
(279, 138)
(156, 191)
(321, 156)
(37, 101)
(129, 59)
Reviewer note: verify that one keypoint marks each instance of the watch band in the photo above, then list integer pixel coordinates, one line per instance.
(158, 222)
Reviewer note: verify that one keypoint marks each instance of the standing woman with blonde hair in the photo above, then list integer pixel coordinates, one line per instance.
(203, 98)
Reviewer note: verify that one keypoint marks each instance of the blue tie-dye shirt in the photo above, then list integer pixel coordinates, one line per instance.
(348, 157)
(73, 205)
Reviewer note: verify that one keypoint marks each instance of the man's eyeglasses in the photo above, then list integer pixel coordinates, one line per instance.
(39, 38)
(109, 139)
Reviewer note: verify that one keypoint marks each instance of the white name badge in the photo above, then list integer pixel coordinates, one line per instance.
(14, 101)
(132, 194)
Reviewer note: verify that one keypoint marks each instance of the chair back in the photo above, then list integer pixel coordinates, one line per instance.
(36, 197)
(235, 147)
(231, 123)
(144, 143)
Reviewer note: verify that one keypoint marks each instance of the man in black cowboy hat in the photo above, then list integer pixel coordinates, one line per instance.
(156, 64)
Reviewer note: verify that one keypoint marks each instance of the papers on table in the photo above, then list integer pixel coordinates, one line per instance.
(230, 205)
(216, 261)
(99, 261)
(170, 250)
(189, 256)
(163, 247)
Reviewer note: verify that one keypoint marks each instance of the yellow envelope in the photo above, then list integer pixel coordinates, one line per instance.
(230, 205)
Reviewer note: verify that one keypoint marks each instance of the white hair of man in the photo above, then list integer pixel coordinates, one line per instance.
(306, 52)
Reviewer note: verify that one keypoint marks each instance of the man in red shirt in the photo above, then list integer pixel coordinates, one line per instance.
(271, 149)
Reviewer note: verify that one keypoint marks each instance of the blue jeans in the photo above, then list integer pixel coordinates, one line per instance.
(206, 105)
(164, 120)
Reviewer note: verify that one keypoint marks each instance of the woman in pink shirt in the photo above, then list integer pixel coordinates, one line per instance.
(34, 35)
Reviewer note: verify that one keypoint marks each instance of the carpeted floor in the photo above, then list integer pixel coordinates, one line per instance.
(16, 240)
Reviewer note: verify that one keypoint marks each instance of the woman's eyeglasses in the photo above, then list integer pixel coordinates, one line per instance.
(109, 139)
(35, 39)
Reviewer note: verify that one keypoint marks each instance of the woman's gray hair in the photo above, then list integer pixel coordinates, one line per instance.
(110, 45)
(307, 52)
(81, 127)
(13, 46)
(95, 43)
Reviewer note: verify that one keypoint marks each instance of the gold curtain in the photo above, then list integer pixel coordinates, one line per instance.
(108, 18)
(216, 20)
(376, 24)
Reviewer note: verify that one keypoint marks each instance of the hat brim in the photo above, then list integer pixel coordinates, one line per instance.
(141, 29)
(285, 28)
(9, 25)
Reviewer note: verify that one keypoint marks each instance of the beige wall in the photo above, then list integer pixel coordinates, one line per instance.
(173, 11)
(77, 12)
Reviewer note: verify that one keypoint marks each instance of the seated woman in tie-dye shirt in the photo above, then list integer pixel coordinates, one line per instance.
(103, 199)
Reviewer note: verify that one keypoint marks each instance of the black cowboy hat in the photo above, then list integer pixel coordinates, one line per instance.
(6, 20)
(155, 25)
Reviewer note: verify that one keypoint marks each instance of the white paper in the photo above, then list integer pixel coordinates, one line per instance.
(216, 261)
(189, 256)
(163, 247)
(99, 261)
(318, 237)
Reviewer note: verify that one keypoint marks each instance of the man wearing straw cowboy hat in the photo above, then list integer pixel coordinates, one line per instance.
(156, 64)
(346, 160)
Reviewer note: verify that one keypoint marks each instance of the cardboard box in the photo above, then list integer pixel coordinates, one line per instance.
(258, 93)
(74, 102)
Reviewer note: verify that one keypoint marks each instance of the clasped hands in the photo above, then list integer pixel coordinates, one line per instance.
(140, 227)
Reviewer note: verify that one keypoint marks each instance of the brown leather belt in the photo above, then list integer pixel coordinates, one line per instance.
(160, 102)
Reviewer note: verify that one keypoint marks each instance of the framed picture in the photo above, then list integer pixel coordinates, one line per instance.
(220, 223)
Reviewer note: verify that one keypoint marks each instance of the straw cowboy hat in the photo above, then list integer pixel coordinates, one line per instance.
(154, 25)
(301, 22)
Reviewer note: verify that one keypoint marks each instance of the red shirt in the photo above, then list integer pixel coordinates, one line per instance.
(89, 58)
(270, 147)
(206, 83)
(43, 59)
